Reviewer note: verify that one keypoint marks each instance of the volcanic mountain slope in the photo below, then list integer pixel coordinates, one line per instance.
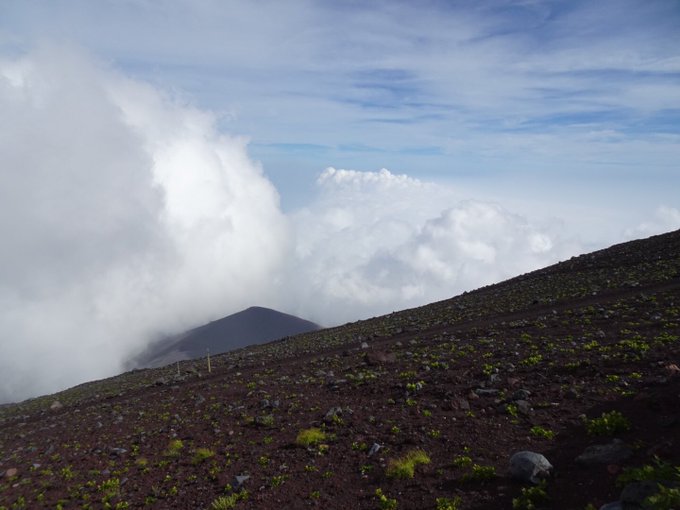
(255, 325)
(554, 362)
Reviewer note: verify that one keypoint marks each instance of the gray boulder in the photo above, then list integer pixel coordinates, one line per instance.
(529, 467)
(616, 505)
(611, 453)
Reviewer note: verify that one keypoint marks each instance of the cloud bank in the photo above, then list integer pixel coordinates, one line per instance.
(374, 242)
(665, 219)
(127, 215)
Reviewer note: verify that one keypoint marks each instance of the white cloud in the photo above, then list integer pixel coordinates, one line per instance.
(125, 214)
(374, 242)
(666, 219)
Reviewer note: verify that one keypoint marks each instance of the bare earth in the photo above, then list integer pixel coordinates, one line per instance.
(594, 334)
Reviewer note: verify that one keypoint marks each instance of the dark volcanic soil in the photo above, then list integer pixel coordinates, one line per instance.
(594, 334)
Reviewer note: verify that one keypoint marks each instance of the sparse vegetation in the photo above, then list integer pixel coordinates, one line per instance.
(310, 437)
(542, 432)
(500, 369)
(530, 497)
(385, 502)
(202, 454)
(448, 503)
(607, 424)
(404, 467)
(228, 502)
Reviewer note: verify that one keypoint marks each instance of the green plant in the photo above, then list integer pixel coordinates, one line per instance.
(488, 369)
(660, 472)
(385, 502)
(228, 502)
(480, 473)
(202, 454)
(448, 503)
(278, 480)
(110, 489)
(512, 410)
(366, 468)
(413, 387)
(310, 437)
(404, 467)
(462, 461)
(174, 448)
(530, 496)
(607, 424)
(434, 434)
(532, 360)
(539, 431)
(67, 473)
(668, 498)
(360, 446)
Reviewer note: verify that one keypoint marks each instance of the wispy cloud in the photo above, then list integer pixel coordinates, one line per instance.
(321, 68)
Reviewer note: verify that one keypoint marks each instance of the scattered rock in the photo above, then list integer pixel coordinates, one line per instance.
(487, 392)
(524, 407)
(571, 393)
(269, 404)
(364, 345)
(56, 405)
(239, 481)
(529, 467)
(635, 493)
(11, 472)
(374, 449)
(521, 395)
(611, 453)
(266, 420)
(333, 414)
(513, 381)
(671, 370)
(380, 357)
(616, 505)
(460, 404)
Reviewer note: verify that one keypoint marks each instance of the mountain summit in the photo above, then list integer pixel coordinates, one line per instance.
(255, 325)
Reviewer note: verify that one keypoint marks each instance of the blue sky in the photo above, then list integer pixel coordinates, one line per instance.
(168, 162)
(528, 91)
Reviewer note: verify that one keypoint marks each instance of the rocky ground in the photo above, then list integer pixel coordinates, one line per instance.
(421, 409)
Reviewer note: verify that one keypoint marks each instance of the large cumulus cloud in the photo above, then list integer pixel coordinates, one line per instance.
(125, 215)
(373, 242)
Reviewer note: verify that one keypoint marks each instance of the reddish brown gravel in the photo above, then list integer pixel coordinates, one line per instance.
(591, 335)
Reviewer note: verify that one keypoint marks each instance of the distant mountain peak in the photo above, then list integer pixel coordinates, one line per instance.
(254, 325)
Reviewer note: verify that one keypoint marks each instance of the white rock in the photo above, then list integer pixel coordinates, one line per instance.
(529, 466)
